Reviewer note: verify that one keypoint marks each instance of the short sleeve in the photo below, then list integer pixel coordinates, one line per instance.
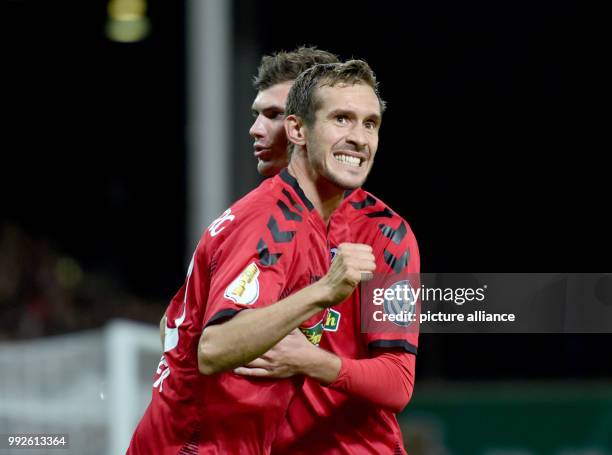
(244, 273)
(397, 255)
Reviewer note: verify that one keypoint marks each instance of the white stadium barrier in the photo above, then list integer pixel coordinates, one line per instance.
(92, 386)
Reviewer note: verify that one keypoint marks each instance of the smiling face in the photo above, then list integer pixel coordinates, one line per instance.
(270, 146)
(342, 141)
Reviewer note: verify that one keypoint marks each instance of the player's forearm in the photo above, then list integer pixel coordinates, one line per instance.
(251, 333)
(320, 365)
(386, 381)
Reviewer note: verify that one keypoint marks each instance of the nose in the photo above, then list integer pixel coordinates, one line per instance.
(257, 130)
(357, 137)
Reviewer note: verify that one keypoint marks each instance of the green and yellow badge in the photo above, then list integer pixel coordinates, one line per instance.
(314, 333)
(332, 321)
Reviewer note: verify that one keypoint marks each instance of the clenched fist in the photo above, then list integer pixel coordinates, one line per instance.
(353, 263)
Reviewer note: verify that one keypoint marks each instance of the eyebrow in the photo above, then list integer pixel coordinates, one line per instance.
(273, 107)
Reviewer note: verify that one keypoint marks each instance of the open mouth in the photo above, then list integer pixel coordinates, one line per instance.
(349, 160)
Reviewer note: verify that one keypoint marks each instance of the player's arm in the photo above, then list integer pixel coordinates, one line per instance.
(304, 359)
(386, 380)
(387, 376)
(251, 333)
(294, 355)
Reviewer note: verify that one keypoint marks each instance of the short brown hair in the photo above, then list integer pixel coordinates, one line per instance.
(302, 100)
(287, 66)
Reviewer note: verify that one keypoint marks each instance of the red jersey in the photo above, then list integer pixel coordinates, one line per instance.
(267, 246)
(325, 421)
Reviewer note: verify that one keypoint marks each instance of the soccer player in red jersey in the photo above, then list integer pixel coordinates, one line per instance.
(355, 412)
(261, 270)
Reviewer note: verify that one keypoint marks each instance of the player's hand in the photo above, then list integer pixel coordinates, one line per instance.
(282, 361)
(353, 263)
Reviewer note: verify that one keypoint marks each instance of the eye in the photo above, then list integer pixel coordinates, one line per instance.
(370, 125)
(274, 114)
(255, 114)
(341, 119)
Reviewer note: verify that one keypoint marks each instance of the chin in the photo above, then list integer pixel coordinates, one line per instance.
(267, 169)
(348, 182)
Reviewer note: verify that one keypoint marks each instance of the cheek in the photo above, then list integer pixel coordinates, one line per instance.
(315, 154)
(278, 131)
(373, 143)
(279, 140)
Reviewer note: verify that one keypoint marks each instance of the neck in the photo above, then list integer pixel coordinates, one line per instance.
(324, 195)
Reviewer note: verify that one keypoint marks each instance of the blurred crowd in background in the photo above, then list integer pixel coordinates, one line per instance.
(44, 291)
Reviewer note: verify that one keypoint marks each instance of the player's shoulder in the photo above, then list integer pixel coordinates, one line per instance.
(270, 203)
(268, 213)
(362, 206)
(372, 219)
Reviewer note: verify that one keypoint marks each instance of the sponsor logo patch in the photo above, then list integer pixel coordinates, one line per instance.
(314, 333)
(332, 321)
(402, 303)
(244, 290)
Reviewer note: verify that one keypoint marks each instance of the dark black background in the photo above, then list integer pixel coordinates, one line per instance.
(489, 147)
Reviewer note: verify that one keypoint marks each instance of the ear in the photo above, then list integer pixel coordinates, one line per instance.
(294, 128)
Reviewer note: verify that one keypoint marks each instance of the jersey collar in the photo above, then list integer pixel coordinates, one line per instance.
(291, 181)
(348, 193)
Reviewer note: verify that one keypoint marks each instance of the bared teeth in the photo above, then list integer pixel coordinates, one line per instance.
(347, 159)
